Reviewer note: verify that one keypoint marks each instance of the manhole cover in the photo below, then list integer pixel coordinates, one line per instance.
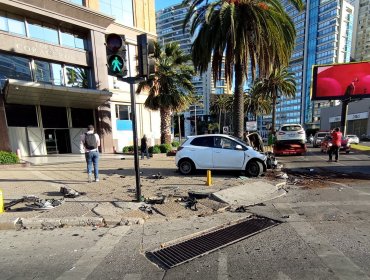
(184, 251)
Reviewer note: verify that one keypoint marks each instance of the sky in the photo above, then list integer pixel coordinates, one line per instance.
(161, 4)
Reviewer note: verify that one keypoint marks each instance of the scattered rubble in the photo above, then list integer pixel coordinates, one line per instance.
(70, 193)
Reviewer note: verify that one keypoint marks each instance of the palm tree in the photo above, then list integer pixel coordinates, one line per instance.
(220, 103)
(279, 82)
(247, 33)
(256, 103)
(170, 86)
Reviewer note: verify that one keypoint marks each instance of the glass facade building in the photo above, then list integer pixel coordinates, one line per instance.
(324, 35)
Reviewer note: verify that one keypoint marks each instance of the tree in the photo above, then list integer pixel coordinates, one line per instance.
(256, 103)
(244, 33)
(220, 104)
(279, 82)
(170, 87)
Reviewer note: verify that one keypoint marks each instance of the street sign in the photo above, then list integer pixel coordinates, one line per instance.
(251, 126)
(225, 130)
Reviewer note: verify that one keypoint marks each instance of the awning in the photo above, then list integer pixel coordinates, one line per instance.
(31, 93)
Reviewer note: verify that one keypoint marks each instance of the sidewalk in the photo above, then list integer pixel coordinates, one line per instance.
(111, 201)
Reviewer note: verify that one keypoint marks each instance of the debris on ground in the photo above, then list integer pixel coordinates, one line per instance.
(241, 209)
(282, 176)
(70, 193)
(146, 208)
(156, 200)
(27, 198)
(45, 204)
(191, 203)
(243, 178)
(157, 176)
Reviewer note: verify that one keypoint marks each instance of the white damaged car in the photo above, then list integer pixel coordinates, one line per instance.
(219, 152)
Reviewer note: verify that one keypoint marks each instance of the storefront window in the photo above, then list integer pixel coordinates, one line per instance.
(54, 117)
(21, 115)
(82, 117)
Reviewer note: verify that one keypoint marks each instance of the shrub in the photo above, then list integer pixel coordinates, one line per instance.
(128, 149)
(175, 144)
(154, 150)
(8, 158)
(165, 148)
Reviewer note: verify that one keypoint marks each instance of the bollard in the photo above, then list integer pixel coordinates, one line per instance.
(209, 178)
(1, 201)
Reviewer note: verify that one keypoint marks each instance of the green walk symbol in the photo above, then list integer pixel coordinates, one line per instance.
(116, 65)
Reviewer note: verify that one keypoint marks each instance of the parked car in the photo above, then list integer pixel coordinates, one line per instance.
(327, 143)
(289, 132)
(353, 139)
(319, 136)
(219, 152)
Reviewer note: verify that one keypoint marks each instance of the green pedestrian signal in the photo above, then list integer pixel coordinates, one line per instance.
(116, 55)
(116, 63)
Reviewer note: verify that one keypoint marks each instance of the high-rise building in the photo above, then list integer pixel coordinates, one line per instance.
(324, 35)
(361, 40)
(170, 29)
(54, 78)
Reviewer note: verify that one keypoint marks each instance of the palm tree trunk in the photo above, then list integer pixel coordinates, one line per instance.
(238, 106)
(273, 112)
(219, 121)
(165, 126)
(179, 123)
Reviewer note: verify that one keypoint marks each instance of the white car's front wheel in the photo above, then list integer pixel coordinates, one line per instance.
(254, 168)
(186, 167)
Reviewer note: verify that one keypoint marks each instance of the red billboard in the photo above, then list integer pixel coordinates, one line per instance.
(341, 81)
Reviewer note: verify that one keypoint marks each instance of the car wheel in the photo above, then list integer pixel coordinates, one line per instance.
(347, 152)
(254, 168)
(186, 167)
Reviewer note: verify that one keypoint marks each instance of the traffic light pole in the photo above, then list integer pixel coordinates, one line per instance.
(132, 81)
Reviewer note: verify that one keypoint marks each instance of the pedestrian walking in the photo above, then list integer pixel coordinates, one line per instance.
(90, 142)
(144, 147)
(336, 144)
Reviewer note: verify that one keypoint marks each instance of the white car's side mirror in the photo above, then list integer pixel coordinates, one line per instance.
(238, 147)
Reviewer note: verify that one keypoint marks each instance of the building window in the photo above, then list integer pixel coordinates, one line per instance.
(16, 25)
(77, 77)
(120, 9)
(42, 72)
(3, 22)
(15, 67)
(72, 40)
(123, 112)
(44, 33)
(54, 117)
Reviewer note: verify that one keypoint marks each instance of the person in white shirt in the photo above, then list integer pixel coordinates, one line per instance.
(89, 144)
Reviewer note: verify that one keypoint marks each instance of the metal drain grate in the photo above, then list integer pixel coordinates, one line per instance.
(187, 250)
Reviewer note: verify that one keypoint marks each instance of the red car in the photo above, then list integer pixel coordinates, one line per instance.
(326, 144)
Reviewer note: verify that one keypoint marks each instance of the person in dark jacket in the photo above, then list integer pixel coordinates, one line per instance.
(144, 147)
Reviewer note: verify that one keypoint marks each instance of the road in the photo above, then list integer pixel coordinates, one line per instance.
(325, 234)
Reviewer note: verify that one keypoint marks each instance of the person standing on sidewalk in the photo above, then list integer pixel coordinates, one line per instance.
(90, 142)
(144, 147)
(336, 144)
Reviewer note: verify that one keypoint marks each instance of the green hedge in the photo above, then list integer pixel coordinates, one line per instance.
(8, 158)
(165, 148)
(154, 150)
(175, 144)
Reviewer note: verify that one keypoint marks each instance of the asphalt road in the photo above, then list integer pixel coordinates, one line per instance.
(324, 235)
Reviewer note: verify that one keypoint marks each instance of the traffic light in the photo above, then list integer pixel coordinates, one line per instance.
(146, 60)
(116, 54)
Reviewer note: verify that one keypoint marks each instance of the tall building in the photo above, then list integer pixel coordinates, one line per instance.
(54, 78)
(361, 40)
(170, 29)
(324, 35)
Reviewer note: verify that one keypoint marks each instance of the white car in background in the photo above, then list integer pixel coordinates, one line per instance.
(219, 152)
(353, 139)
(291, 132)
